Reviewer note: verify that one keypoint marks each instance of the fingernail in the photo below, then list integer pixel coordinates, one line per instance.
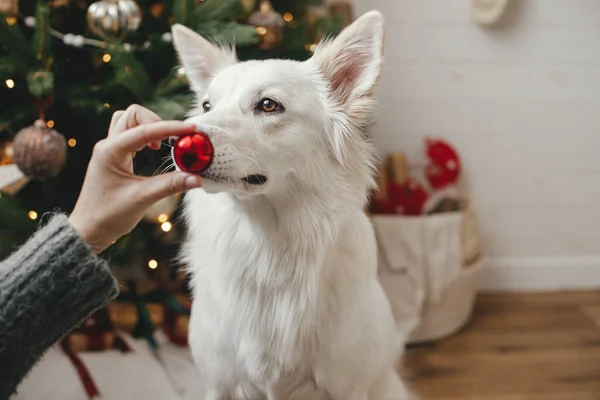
(193, 181)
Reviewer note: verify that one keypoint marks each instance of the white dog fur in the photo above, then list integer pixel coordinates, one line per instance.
(286, 299)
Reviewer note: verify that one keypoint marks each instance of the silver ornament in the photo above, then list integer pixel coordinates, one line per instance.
(114, 18)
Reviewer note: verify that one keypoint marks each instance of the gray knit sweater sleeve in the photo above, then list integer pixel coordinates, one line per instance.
(47, 286)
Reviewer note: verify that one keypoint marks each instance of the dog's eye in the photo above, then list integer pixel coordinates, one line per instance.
(206, 106)
(269, 105)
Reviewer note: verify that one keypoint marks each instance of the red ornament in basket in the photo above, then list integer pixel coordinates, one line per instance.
(444, 165)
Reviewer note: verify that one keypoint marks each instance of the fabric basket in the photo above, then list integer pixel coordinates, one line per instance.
(429, 268)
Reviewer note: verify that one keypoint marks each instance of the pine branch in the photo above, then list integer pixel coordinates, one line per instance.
(13, 39)
(183, 11)
(41, 38)
(12, 216)
(228, 32)
(131, 74)
(12, 65)
(211, 10)
(174, 82)
(171, 108)
(15, 117)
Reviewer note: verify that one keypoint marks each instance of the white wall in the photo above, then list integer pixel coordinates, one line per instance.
(522, 105)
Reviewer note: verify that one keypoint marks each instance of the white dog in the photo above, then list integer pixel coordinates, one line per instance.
(283, 259)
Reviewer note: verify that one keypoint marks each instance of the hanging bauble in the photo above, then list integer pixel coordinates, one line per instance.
(9, 8)
(248, 5)
(38, 151)
(114, 18)
(269, 25)
(161, 211)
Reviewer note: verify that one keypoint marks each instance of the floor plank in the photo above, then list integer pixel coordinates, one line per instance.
(518, 347)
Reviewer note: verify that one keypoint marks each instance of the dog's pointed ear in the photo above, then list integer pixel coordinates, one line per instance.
(352, 61)
(200, 58)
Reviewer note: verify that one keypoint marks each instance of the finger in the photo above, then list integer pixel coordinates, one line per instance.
(139, 137)
(161, 186)
(114, 120)
(135, 115)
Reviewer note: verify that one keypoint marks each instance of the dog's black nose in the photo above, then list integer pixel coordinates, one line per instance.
(255, 179)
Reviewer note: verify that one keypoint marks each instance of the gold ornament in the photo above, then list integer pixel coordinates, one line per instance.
(9, 8)
(38, 151)
(114, 18)
(269, 25)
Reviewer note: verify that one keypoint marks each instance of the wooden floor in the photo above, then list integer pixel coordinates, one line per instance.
(518, 347)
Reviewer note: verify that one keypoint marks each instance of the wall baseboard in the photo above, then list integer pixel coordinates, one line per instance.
(541, 274)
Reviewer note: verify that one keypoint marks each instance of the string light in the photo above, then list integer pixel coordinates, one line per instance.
(163, 218)
(10, 83)
(311, 47)
(72, 142)
(50, 124)
(152, 264)
(261, 30)
(288, 17)
(11, 20)
(106, 57)
(166, 226)
(32, 215)
(106, 105)
(181, 71)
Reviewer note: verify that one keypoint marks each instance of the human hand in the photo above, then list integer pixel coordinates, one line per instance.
(113, 199)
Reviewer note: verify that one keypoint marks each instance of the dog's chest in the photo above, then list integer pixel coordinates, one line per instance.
(253, 311)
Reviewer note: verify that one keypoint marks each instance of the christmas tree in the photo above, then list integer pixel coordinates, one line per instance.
(67, 65)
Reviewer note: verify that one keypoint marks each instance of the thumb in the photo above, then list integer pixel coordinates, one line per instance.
(159, 187)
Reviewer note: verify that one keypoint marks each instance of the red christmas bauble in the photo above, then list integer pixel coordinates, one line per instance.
(444, 164)
(408, 198)
(381, 205)
(193, 153)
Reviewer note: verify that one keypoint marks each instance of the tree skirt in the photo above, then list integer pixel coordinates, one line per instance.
(119, 376)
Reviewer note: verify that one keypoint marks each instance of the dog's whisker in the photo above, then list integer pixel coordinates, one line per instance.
(168, 168)
(165, 161)
(251, 159)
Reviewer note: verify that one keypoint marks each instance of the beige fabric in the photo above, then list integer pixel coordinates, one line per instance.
(422, 268)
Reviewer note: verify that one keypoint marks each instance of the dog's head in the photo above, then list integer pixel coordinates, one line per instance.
(277, 124)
